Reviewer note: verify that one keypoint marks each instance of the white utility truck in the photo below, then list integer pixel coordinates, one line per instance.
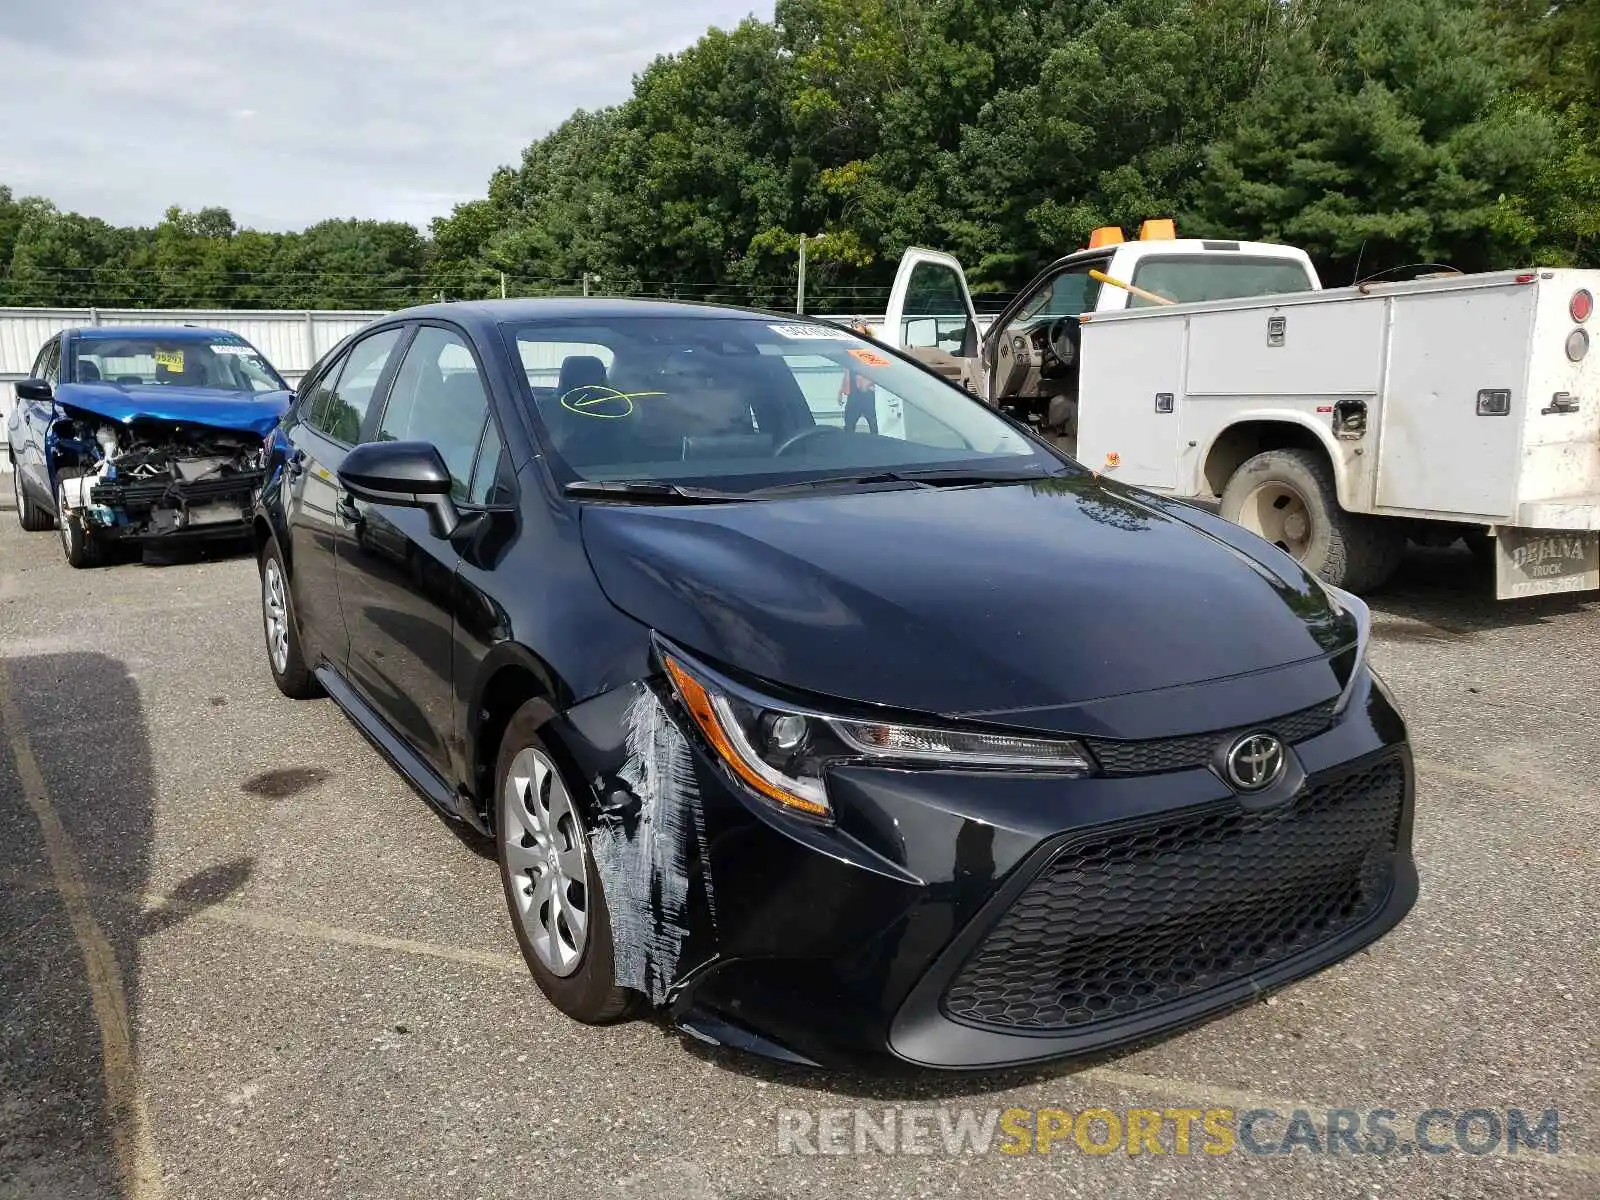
(1335, 423)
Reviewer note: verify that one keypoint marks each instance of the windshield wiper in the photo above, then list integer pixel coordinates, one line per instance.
(647, 491)
(921, 479)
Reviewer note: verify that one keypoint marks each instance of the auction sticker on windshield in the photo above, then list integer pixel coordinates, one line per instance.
(172, 360)
(812, 333)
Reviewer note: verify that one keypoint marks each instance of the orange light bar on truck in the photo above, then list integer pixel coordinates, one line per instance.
(1106, 235)
(1160, 229)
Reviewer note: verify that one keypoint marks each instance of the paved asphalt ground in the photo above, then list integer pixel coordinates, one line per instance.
(239, 958)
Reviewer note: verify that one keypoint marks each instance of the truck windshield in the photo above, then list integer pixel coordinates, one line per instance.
(224, 362)
(1067, 295)
(744, 403)
(1217, 277)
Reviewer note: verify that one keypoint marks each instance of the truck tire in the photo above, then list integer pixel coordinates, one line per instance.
(1289, 498)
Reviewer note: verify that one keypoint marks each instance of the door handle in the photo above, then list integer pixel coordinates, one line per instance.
(295, 465)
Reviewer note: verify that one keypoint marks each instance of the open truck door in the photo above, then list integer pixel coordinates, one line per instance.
(931, 316)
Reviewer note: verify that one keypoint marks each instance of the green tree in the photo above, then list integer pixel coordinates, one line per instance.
(1383, 134)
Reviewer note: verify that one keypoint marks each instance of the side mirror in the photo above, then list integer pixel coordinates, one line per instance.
(33, 389)
(408, 474)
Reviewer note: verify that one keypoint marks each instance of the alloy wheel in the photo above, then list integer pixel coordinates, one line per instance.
(275, 612)
(546, 861)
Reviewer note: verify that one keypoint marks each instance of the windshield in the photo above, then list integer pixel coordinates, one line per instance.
(743, 403)
(223, 362)
(1069, 294)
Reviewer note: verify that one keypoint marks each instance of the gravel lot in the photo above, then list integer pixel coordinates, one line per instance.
(238, 957)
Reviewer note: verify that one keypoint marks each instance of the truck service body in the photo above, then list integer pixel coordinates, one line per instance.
(1335, 423)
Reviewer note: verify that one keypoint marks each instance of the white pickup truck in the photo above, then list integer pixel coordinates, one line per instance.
(1335, 423)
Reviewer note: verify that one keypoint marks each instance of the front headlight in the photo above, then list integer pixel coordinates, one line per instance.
(782, 752)
(1347, 602)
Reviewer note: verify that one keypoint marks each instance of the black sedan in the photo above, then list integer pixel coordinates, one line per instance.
(919, 745)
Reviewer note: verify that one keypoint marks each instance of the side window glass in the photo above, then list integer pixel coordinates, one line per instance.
(491, 482)
(1069, 294)
(317, 398)
(340, 413)
(935, 314)
(48, 368)
(438, 397)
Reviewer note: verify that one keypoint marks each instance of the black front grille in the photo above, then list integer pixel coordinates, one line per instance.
(1185, 753)
(1140, 916)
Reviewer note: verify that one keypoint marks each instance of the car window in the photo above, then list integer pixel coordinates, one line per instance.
(1217, 277)
(438, 397)
(317, 395)
(48, 365)
(736, 402)
(491, 476)
(935, 313)
(1068, 294)
(339, 409)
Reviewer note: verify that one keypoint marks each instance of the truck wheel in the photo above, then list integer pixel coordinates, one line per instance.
(1289, 498)
(78, 541)
(32, 517)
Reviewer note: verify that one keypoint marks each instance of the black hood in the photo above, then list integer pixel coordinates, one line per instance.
(990, 600)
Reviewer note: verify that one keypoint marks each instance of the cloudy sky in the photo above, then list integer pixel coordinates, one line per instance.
(289, 111)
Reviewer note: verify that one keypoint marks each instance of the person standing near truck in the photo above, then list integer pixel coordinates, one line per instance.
(859, 395)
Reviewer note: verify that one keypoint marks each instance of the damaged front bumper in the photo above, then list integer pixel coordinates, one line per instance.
(152, 508)
(976, 920)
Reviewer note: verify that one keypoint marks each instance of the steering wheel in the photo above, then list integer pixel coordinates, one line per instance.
(1063, 335)
(804, 436)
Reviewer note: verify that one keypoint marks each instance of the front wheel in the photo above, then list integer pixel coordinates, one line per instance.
(1289, 498)
(78, 541)
(552, 886)
(284, 654)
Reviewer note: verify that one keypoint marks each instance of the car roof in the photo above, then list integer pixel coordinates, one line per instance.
(499, 312)
(173, 332)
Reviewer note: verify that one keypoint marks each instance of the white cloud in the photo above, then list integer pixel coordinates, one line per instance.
(287, 112)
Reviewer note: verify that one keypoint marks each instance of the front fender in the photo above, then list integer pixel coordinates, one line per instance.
(1345, 478)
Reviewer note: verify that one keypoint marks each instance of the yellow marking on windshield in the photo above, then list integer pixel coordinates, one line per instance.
(598, 400)
(170, 359)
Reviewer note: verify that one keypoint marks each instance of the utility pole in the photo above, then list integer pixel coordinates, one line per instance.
(800, 284)
(502, 285)
(586, 284)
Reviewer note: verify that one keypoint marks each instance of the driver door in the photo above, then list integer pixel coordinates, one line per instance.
(932, 319)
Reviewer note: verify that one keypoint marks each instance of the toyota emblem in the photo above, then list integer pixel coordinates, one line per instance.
(1255, 762)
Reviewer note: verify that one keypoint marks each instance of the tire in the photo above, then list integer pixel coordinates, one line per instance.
(1289, 498)
(32, 517)
(540, 834)
(78, 542)
(285, 657)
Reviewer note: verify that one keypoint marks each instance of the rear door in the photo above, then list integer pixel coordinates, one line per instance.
(323, 426)
(931, 316)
